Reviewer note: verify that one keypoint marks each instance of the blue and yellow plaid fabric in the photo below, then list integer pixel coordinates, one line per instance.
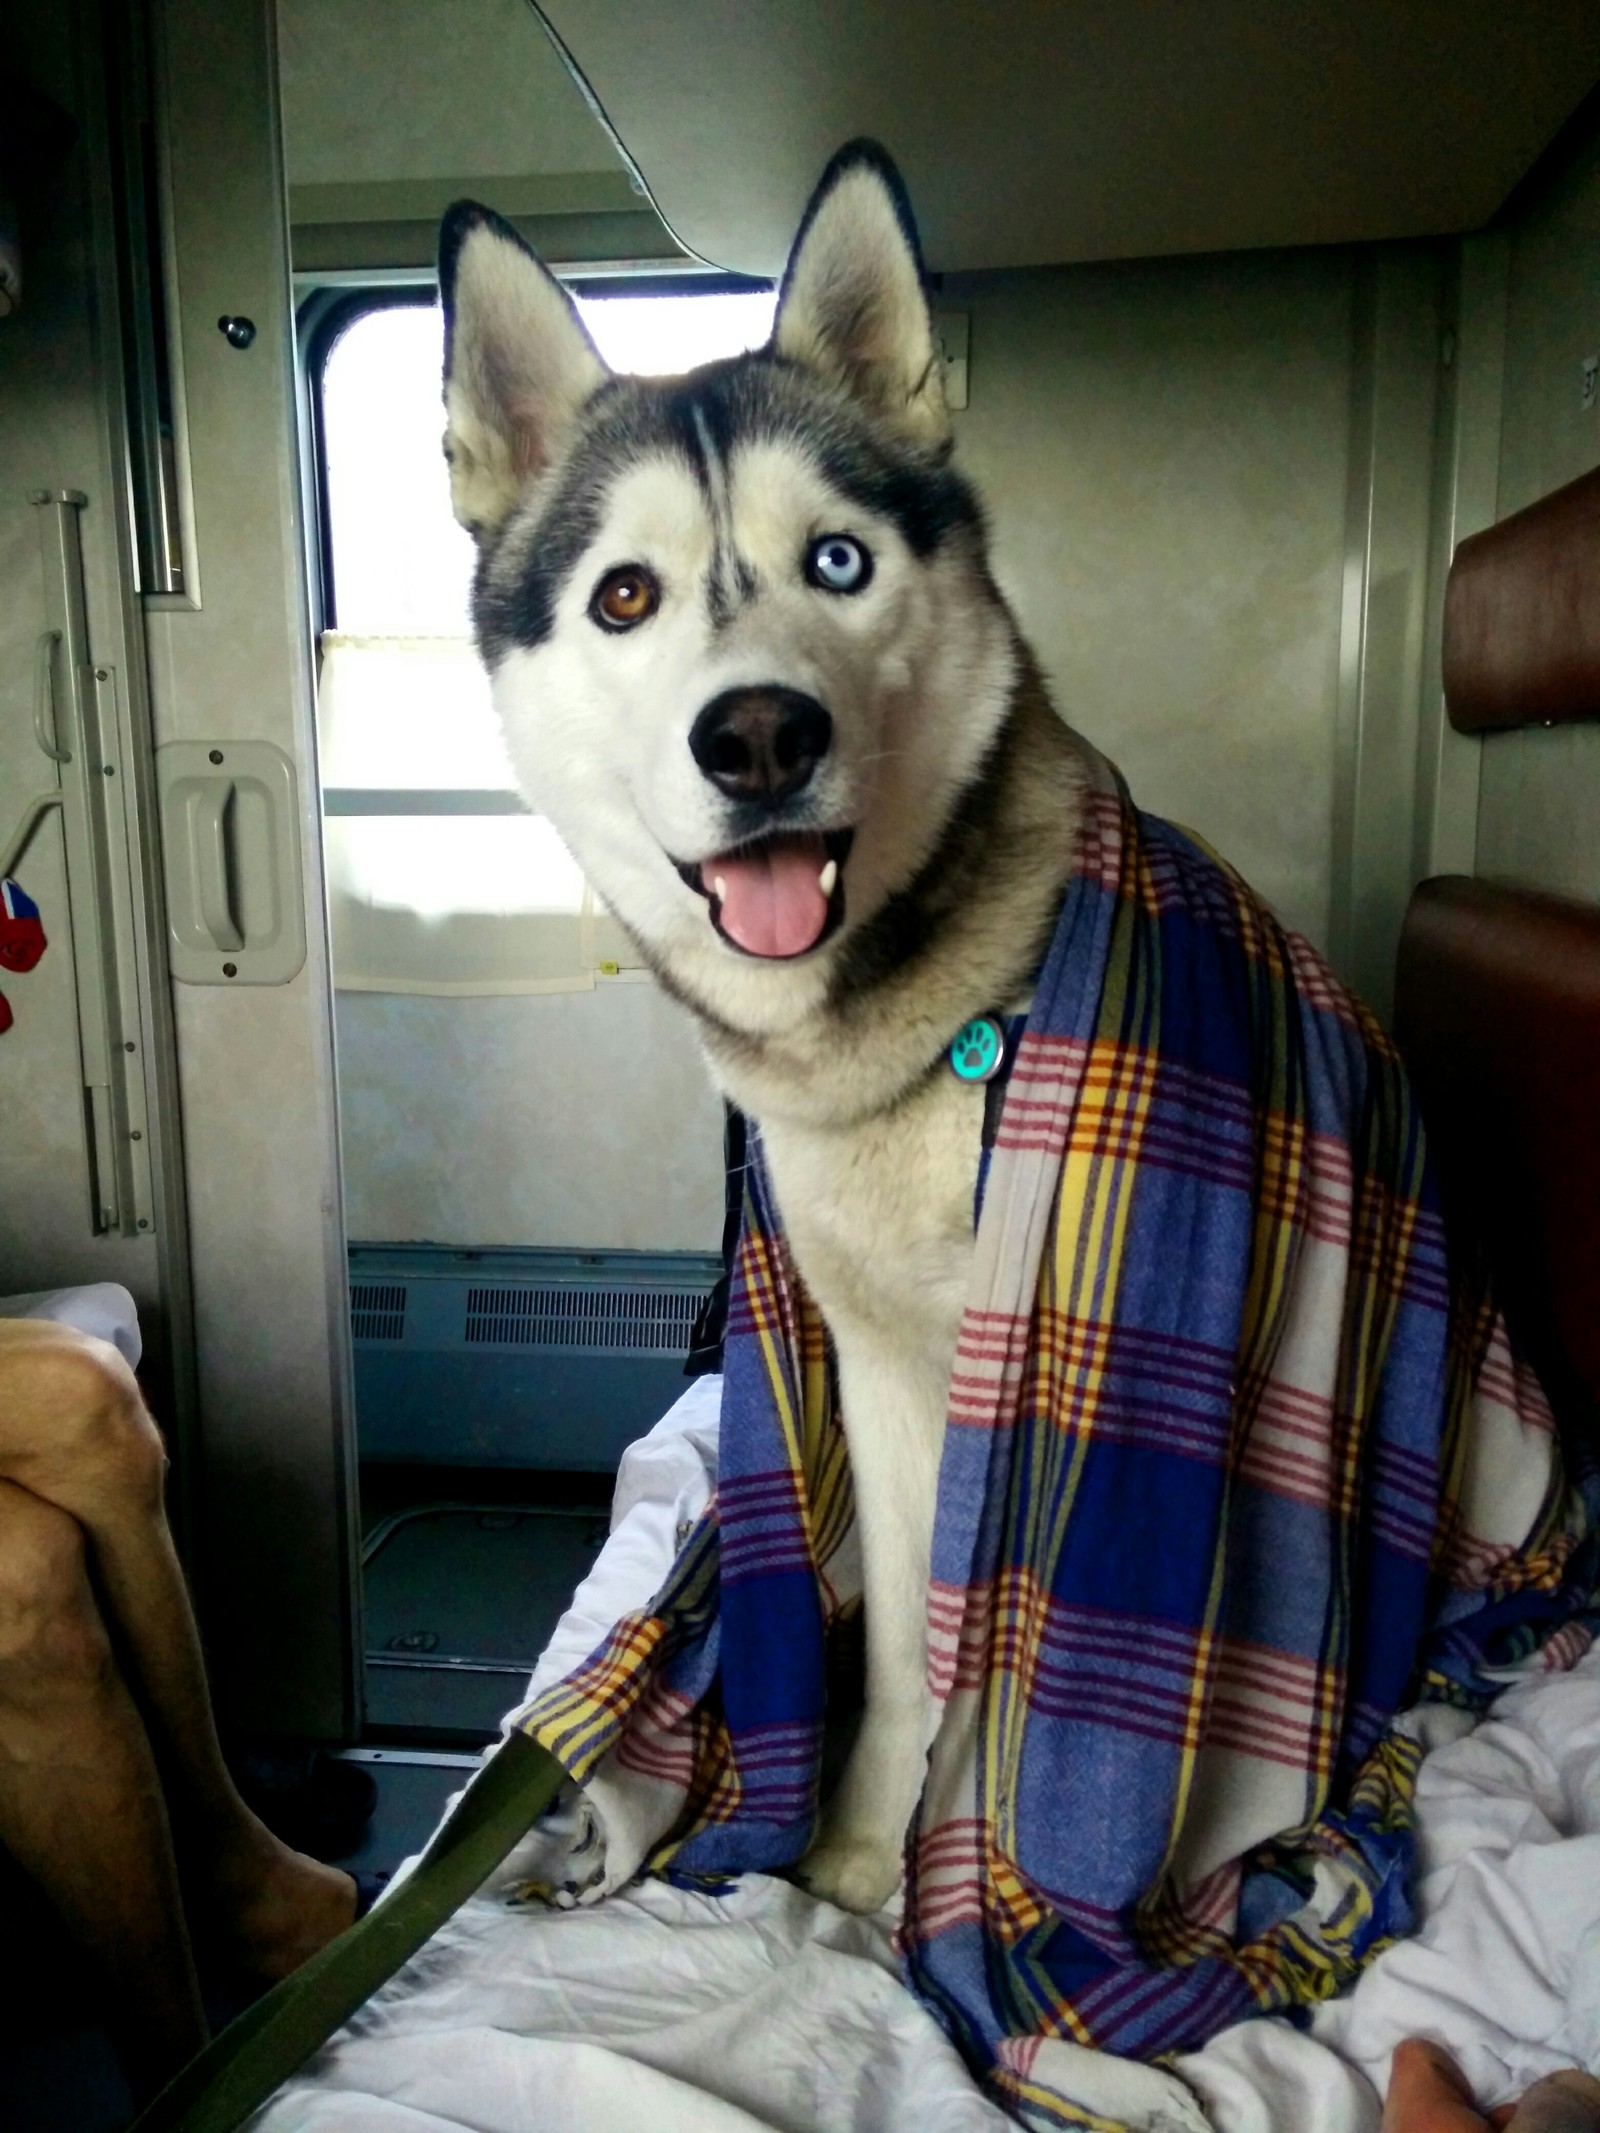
(1238, 1463)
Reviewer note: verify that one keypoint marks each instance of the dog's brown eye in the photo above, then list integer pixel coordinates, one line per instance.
(625, 597)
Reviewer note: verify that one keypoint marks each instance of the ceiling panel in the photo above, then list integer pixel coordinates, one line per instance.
(1034, 133)
(394, 108)
(382, 90)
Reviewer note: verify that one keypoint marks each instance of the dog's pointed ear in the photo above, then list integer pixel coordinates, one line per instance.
(518, 364)
(853, 305)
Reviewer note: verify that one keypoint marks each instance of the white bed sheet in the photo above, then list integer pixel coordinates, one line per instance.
(103, 1308)
(662, 2011)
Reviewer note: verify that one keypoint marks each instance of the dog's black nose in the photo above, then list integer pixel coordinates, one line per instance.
(761, 744)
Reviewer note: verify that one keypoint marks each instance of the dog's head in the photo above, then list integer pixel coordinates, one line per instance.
(741, 629)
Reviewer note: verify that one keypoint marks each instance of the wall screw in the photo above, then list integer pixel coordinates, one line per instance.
(230, 970)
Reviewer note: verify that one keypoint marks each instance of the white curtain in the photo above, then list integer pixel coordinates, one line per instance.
(462, 895)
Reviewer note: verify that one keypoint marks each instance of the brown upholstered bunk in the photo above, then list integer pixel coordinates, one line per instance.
(1497, 1002)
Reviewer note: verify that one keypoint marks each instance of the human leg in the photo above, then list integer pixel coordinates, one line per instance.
(75, 1433)
(81, 1806)
(1428, 2093)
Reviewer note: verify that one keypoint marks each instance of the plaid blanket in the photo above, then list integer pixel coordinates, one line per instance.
(1237, 1465)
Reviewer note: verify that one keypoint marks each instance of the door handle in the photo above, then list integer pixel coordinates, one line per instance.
(230, 834)
(213, 820)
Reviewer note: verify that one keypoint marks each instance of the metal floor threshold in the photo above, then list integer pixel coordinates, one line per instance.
(460, 1599)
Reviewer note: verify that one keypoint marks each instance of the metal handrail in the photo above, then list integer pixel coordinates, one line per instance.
(44, 698)
(32, 815)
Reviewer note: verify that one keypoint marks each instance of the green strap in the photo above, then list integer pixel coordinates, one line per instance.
(238, 2071)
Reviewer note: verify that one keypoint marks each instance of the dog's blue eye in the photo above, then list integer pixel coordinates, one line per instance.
(838, 563)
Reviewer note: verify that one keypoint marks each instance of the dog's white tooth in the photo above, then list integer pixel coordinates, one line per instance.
(828, 876)
(719, 888)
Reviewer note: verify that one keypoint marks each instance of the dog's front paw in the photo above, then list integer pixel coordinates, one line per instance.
(858, 1873)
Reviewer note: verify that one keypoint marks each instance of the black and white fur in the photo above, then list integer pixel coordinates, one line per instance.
(947, 777)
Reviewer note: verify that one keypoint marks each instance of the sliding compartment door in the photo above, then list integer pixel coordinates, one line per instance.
(230, 662)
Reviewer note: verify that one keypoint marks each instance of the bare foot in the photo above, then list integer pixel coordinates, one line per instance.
(269, 1909)
(1428, 2093)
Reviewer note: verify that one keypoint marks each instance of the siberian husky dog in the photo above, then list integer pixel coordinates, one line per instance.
(751, 662)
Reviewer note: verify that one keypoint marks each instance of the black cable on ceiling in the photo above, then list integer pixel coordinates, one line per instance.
(603, 118)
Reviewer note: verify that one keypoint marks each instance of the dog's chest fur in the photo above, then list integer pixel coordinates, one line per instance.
(879, 1214)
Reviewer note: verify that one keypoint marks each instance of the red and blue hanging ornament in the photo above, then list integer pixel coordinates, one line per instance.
(22, 939)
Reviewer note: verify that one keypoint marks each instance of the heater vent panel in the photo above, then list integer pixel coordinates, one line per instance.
(377, 1311)
(621, 1321)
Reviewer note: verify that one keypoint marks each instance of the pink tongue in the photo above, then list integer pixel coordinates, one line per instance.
(772, 901)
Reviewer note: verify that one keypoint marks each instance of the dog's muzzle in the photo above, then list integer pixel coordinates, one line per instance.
(779, 892)
(761, 746)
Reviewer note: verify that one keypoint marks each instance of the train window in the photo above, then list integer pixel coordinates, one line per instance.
(397, 563)
(439, 880)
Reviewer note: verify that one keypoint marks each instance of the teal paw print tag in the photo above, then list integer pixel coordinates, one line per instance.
(979, 1049)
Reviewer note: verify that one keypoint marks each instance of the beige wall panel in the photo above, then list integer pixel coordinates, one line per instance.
(1466, 487)
(1539, 817)
(1539, 809)
(1549, 437)
(1389, 517)
(581, 1119)
(1163, 447)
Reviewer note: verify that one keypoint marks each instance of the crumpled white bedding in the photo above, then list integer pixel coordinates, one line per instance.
(661, 2011)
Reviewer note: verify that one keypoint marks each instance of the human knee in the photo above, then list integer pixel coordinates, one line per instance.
(71, 1413)
(53, 1644)
(116, 1436)
(1565, 2102)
